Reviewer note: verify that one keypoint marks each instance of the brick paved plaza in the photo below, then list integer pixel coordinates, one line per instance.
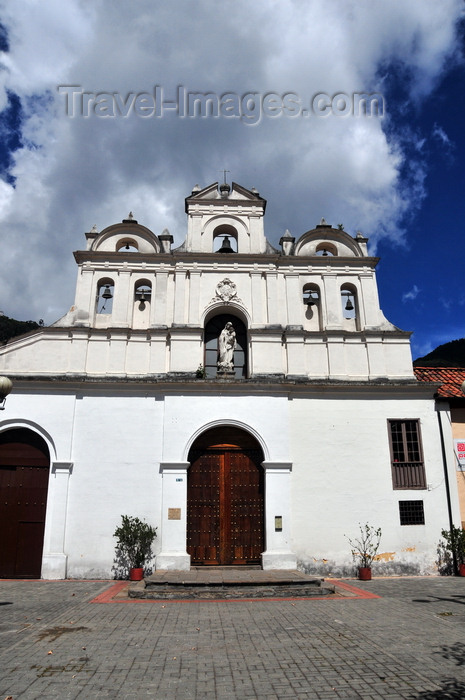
(408, 643)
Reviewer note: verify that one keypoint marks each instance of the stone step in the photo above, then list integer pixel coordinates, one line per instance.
(229, 567)
(221, 584)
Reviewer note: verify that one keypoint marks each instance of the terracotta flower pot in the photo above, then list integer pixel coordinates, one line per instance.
(461, 569)
(136, 574)
(364, 573)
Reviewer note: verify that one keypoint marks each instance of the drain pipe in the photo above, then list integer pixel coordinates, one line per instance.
(446, 480)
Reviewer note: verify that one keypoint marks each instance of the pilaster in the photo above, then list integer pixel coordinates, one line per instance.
(278, 554)
(173, 553)
(54, 560)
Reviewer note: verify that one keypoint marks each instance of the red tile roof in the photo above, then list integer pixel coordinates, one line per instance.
(451, 379)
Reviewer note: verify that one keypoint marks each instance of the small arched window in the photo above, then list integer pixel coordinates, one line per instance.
(213, 330)
(105, 293)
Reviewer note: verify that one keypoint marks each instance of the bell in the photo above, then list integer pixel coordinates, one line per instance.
(107, 293)
(310, 301)
(349, 305)
(142, 297)
(226, 246)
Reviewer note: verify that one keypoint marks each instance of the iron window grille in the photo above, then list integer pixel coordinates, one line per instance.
(408, 468)
(411, 513)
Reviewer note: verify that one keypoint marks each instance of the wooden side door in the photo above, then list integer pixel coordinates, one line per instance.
(246, 502)
(225, 511)
(24, 473)
(203, 508)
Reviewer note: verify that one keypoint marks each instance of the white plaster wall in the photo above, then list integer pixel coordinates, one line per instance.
(264, 298)
(51, 416)
(181, 350)
(188, 415)
(337, 448)
(35, 355)
(119, 444)
(117, 447)
(342, 477)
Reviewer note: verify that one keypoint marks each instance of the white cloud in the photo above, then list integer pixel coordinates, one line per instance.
(440, 135)
(73, 173)
(412, 294)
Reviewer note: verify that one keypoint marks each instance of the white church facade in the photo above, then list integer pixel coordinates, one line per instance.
(252, 403)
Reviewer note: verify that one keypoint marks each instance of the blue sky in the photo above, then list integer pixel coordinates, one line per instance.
(421, 284)
(399, 179)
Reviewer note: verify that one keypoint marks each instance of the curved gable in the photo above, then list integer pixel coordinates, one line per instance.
(330, 240)
(128, 236)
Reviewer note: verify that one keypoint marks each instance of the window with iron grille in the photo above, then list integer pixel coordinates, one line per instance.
(411, 513)
(408, 469)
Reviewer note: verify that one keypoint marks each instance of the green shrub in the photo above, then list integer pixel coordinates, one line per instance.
(135, 539)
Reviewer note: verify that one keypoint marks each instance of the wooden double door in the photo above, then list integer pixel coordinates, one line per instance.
(24, 475)
(225, 506)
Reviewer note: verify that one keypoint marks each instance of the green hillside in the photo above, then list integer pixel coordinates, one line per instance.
(10, 327)
(450, 354)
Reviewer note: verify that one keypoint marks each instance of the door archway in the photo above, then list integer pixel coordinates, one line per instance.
(225, 499)
(24, 474)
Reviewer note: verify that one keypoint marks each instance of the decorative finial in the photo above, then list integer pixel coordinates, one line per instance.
(224, 175)
(225, 189)
(130, 219)
(323, 221)
(94, 229)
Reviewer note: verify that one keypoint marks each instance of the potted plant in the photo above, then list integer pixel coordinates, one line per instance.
(134, 545)
(364, 549)
(455, 544)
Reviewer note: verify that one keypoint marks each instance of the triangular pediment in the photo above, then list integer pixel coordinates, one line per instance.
(210, 192)
(236, 193)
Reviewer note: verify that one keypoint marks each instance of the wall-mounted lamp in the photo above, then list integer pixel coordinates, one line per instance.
(6, 386)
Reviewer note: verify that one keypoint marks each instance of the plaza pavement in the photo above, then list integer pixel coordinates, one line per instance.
(407, 643)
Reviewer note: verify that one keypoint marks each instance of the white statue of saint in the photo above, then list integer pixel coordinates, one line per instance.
(226, 347)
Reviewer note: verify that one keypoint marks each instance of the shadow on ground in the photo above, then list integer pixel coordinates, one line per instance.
(451, 690)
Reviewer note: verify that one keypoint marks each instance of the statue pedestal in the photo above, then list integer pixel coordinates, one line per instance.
(223, 373)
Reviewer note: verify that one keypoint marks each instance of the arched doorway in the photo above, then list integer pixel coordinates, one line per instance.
(225, 499)
(24, 472)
